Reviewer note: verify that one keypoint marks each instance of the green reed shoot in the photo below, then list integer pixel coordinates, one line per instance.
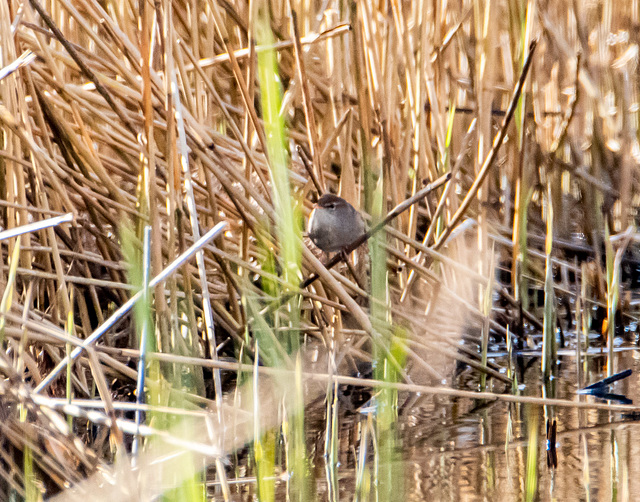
(288, 231)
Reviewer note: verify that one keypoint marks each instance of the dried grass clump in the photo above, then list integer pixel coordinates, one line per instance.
(135, 114)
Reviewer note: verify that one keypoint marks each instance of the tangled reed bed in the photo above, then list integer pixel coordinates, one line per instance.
(133, 114)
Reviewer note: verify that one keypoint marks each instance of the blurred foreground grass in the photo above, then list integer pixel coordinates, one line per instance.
(178, 116)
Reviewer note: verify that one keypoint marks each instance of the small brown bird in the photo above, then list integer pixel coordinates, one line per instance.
(334, 223)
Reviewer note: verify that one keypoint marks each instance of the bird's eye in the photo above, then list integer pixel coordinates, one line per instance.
(331, 205)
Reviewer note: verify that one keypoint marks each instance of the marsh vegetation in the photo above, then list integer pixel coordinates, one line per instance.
(169, 330)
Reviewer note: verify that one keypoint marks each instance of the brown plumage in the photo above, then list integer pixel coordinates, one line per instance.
(334, 223)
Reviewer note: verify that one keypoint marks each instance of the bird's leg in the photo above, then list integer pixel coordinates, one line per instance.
(345, 258)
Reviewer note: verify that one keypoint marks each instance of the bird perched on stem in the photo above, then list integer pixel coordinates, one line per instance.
(334, 224)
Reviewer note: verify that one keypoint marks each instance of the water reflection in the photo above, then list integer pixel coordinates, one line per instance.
(461, 449)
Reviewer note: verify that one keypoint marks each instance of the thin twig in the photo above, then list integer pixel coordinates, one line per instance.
(493, 153)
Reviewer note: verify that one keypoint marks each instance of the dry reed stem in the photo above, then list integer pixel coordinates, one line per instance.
(111, 94)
